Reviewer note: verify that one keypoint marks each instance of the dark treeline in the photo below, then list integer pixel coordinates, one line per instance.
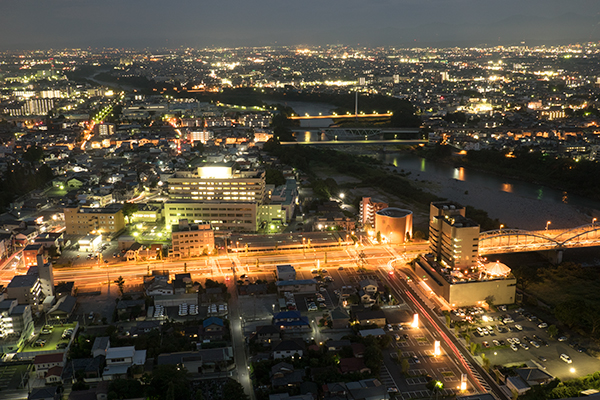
(563, 173)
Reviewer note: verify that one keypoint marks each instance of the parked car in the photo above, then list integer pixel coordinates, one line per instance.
(566, 358)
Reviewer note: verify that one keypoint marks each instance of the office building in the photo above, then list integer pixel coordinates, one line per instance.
(218, 182)
(222, 215)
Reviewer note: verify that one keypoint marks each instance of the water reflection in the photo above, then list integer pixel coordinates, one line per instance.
(422, 164)
(565, 198)
(540, 193)
(507, 187)
(459, 174)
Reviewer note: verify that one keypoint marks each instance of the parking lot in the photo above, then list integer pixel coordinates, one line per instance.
(50, 339)
(526, 340)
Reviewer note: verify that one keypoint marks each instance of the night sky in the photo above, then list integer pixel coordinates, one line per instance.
(32, 24)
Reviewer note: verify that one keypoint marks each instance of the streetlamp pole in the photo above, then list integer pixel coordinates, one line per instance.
(548, 223)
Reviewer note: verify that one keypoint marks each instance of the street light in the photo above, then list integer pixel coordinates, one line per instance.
(548, 223)
(594, 220)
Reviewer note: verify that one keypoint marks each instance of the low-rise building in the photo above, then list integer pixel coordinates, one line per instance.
(286, 273)
(191, 240)
(44, 362)
(103, 221)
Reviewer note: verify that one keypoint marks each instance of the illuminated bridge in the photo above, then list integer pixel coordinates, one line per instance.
(503, 241)
(306, 116)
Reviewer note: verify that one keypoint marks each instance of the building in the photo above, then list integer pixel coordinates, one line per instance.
(286, 273)
(16, 325)
(104, 129)
(288, 348)
(190, 240)
(222, 215)
(44, 362)
(119, 359)
(26, 289)
(297, 286)
(45, 275)
(218, 182)
(453, 238)
(469, 287)
(31, 253)
(367, 210)
(370, 317)
(221, 194)
(394, 224)
(103, 221)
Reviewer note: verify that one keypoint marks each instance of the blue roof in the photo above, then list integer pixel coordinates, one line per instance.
(303, 321)
(288, 315)
(212, 320)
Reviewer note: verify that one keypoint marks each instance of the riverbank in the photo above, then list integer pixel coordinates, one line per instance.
(517, 204)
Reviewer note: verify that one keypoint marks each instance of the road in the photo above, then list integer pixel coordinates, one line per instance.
(480, 381)
(93, 275)
(239, 343)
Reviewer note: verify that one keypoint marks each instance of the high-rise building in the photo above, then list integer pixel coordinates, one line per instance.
(453, 238)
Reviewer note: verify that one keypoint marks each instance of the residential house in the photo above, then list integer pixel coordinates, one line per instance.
(368, 286)
(43, 362)
(213, 328)
(100, 346)
(353, 365)
(371, 317)
(125, 308)
(120, 359)
(288, 348)
(267, 334)
(44, 393)
(339, 318)
(54, 376)
(291, 320)
(284, 375)
(337, 345)
(201, 361)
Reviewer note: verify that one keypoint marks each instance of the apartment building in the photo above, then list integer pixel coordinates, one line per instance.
(84, 220)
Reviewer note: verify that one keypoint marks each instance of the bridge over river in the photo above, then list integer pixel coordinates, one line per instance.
(502, 241)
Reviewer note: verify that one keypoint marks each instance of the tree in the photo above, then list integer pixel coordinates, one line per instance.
(234, 390)
(405, 366)
(33, 154)
(167, 379)
(120, 284)
(552, 331)
(274, 177)
(128, 210)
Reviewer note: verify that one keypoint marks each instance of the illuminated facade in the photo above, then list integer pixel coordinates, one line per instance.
(453, 238)
(233, 216)
(220, 194)
(190, 240)
(218, 182)
(104, 221)
(368, 208)
(394, 224)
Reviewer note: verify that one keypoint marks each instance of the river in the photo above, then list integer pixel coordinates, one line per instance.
(515, 203)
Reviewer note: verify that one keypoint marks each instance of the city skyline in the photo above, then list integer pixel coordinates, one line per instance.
(62, 24)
